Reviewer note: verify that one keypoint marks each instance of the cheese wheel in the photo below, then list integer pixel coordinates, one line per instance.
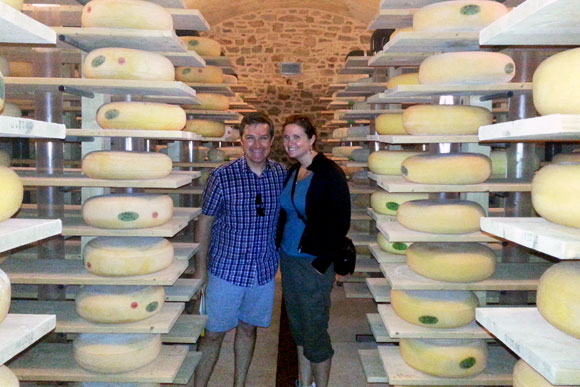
(451, 16)
(435, 308)
(2, 92)
(121, 165)
(403, 79)
(5, 159)
(216, 155)
(387, 203)
(557, 297)
(472, 67)
(202, 46)
(207, 74)
(399, 30)
(399, 248)
(5, 294)
(441, 216)
(210, 101)
(499, 164)
(115, 353)
(135, 14)
(387, 162)
(127, 63)
(11, 192)
(127, 256)
(20, 69)
(526, 376)
(16, 4)
(390, 123)
(556, 84)
(339, 133)
(232, 152)
(119, 304)
(566, 158)
(446, 358)
(555, 190)
(11, 110)
(206, 128)
(344, 151)
(141, 116)
(127, 211)
(7, 377)
(449, 168)
(230, 79)
(4, 66)
(358, 131)
(452, 262)
(445, 119)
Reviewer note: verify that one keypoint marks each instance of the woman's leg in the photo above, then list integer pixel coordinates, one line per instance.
(321, 372)
(304, 368)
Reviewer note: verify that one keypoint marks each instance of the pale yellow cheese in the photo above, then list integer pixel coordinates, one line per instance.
(127, 256)
(119, 304)
(7, 377)
(556, 84)
(5, 159)
(202, 46)
(555, 193)
(231, 152)
(445, 119)
(498, 163)
(135, 14)
(21, 69)
(5, 294)
(386, 162)
(216, 155)
(390, 123)
(566, 158)
(526, 376)
(448, 358)
(461, 15)
(403, 79)
(230, 79)
(127, 211)
(339, 133)
(210, 101)
(11, 192)
(441, 216)
(435, 308)
(141, 116)
(11, 110)
(120, 165)
(115, 353)
(207, 74)
(472, 67)
(399, 30)
(344, 151)
(449, 168)
(558, 299)
(4, 65)
(399, 248)
(127, 63)
(387, 203)
(206, 128)
(452, 262)
(16, 4)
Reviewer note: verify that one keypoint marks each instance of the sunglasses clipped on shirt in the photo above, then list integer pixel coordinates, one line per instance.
(260, 210)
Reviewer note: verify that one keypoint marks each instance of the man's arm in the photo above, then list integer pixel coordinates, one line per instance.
(202, 236)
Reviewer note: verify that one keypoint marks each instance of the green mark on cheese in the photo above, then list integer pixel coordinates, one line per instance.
(471, 9)
(186, 71)
(467, 363)
(428, 320)
(404, 170)
(509, 68)
(128, 216)
(392, 206)
(350, 122)
(99, 60)
(351, 103)
(193, 43)
(2, 90)
(111, 114)
(152, 306)
(399, 246)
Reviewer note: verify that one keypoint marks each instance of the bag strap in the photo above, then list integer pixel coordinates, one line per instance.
(302, 217)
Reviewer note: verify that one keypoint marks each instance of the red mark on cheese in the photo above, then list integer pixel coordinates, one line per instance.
(89, 265)
(200, 71)
(134, 305)
(121, 61)
(89, 9)
(155, 215)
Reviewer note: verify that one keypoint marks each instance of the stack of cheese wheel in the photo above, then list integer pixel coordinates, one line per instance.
(7, 377)
(398, 248)
(122, 165)
(445, 119)
(387, 203)
(526, 376)
(134, 14)
(386, 162)
(141, 116)
(11, 192)
(457, 16)
(202, 46)
(210, 101)
(403, 79)
(127, 63)
(448, 168)
(447, 216)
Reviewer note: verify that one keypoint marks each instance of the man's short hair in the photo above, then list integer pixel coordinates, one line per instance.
(257, 118)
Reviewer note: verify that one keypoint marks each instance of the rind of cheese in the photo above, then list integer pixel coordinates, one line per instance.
(16, 4)
(118, 353)
(344, 151)
(399, 30)
(127, 63)
(448, 358)
(134, 14)
(435, 308)
(127, 211)
(526, 376)
(203, 46)
(230, 79)
(206, 128)
(5, 158)
(386, 162)
(555, 190)
(448, 168)
(121, 165)
(8, 378)
(11, 110)
(21, 69)
(557, 297)
(387, 203)
(5, 294)
(127, 256)
(207, 74)
(141, 116)
(452, 262)
(4, 65)
(399, 248)
(498, 164)
(11, 192)
(460, 15)
(390, 124)
(566, 158)
(441, 216)
(210, 101)
(403, 79)
(445, 119)
(470, 67)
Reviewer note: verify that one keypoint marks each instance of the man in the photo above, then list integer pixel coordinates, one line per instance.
(237, 256)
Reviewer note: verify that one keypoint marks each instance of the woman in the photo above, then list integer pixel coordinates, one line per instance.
(314, 219)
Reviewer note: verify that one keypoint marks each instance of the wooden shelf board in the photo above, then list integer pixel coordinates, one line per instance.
(409, 139)
(356, 61)
(163, 3)
(215, 115)
(55, 362)
(16, 27)
(536, 22)
(68, 321)
(380, 217)
(74, 179)
(19, 331)
(393, 18)
(498, 372)
(151, 134)
(19, 232)
(366, 114)
(214, 88)
(361, 239)
(378, 328)
(553, 127)
(27, 128)
(507, 276)
(395, 232)
(367, 265)
(356, 70)
(433, 42)
(406, 93)
(400, 185)
(187, 368)
(358, 189)
(356, 290)
(187, 329)
(380, 289)
(398, 59)
(536, 233)
(384, 257)
(398, 328)
(551, 352)
(364, 89)
(373, 366)
(355, 164)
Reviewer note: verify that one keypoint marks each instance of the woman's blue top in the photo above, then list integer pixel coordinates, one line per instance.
(294, 225)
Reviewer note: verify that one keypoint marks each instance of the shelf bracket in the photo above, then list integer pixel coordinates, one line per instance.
(490, 97)
(75, 91)
(73, 42)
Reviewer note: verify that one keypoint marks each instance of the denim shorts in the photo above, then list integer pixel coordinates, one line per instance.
(226, 304)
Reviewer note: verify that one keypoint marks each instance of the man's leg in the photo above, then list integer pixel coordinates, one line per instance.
(209, 346)
(244, 345)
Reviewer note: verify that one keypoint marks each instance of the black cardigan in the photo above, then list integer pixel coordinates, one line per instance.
(327, 212)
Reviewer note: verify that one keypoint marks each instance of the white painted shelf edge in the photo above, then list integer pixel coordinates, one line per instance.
(19, 232)
(18, 331)
(27, 128)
